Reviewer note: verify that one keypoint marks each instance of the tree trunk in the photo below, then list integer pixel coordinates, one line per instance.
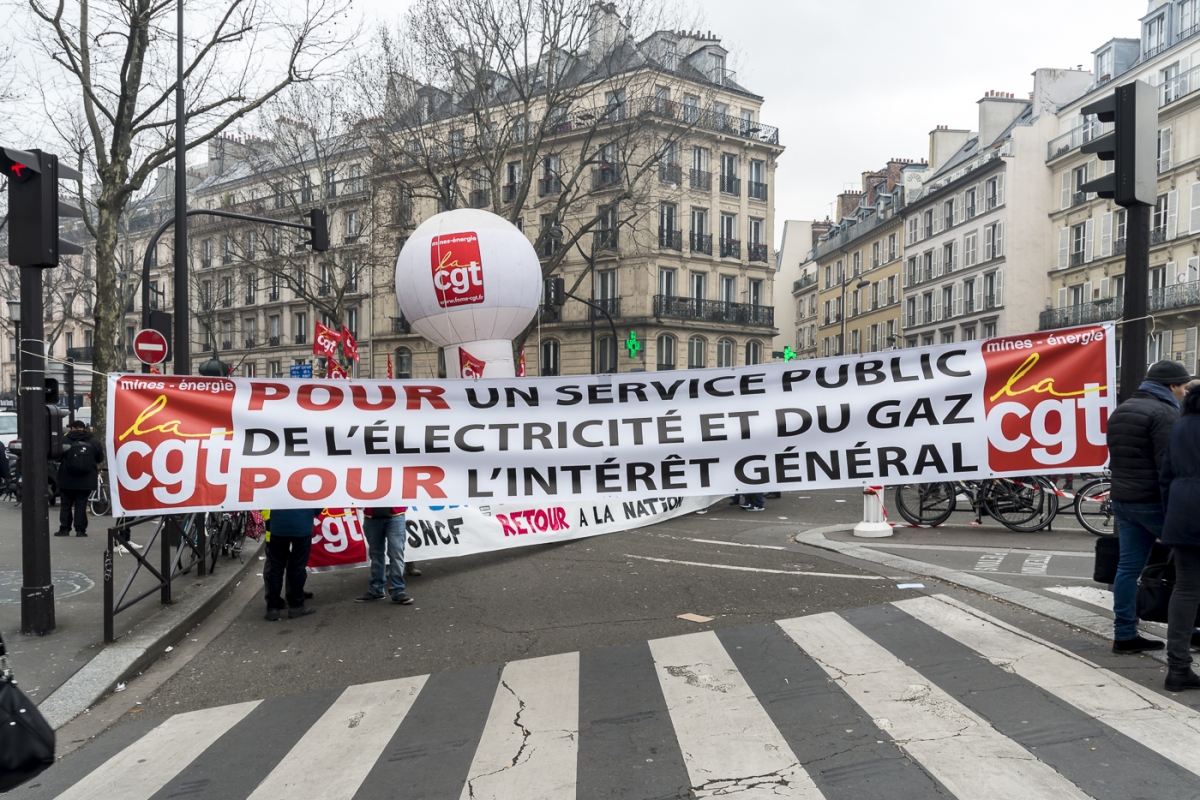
(108, 314)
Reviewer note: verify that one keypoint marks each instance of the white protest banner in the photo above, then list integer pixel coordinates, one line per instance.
(1019, 405)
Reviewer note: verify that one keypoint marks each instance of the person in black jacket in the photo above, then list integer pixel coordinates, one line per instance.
(1138, 431)
(1180, 482)
(289, 542)
(77, 472)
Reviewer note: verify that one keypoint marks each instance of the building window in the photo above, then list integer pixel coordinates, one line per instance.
(606, 354)
(970, 243)
(968, 333)
(666, 282)
(948, 214)
(352, 224)
(969, 296)
(989, 330)
(754, 352)
(725, 353)
(1159, 223)
(352, 321)
(402, 368)
(666, 352)
(300, 329)
(548, 363)
(1155, 34)
(697, 352)
(928, 219)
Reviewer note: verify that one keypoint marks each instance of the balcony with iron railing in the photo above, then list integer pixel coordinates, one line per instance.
(699, 179)
(670, 173)
(273, 341)
(1075, 138)
(700, 243)
(300, 338)
(669, 239)
(605, 240)
(1082, 314)
(610, 304)
(549, 247)
(400, 325)
(1158, 235)
(226, 345)
(1078, 198)
(551, 184)
(1152, 50)
(1077, 258)
(714, 311)
(731, 184)
(79, 353)
(806, 281)
(605, 176)
(1118, 247)
(757, 252)
(756, 190)
(731, 248)
(479, 198)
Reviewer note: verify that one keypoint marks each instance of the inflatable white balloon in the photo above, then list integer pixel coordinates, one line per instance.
(469, 281)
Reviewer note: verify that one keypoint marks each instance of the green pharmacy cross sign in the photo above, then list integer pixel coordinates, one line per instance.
(632, 344)
(788, 353)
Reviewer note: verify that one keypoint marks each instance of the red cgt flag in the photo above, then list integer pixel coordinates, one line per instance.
(349, 344)
(334, 370)
(325, 341)
(469, 366)
(389, 366)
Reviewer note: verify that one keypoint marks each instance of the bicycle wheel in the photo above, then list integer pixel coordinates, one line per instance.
(1021, 504)
(189, 542)
(99, 501)
(1093, 507)
(925, 503)
(237, 534)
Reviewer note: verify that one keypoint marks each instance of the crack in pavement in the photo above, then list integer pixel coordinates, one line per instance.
(727, 786)
(699, 680)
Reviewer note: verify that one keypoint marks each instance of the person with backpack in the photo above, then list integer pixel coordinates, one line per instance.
(77, 473)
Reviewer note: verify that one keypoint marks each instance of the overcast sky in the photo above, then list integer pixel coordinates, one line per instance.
(851, 83)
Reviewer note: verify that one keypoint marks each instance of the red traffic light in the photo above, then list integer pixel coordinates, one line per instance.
(19, 165)
(20, 172)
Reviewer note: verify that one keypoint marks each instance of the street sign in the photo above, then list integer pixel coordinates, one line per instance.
(301, 371)
(150, 346)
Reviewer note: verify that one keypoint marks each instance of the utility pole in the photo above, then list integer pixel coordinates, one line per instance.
(183, 349)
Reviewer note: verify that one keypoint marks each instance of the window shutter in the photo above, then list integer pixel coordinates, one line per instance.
(998, 247)
(1194, 227)
(1164, 149)
(1088, 231)
(1168, 350)
(987, 243)
(1172, 213)
(1189, 350)
(1172, 273)
(1193, 269)
(1066, 190)
(1106, 235)
(979, 294)
(1064, 247)
(999, 288)
(1000, 189)
(1062, 298)
(1091, 176)
(1104, 284)
(958, 299)
(904, 275)
(937, 262)
(1087, 291)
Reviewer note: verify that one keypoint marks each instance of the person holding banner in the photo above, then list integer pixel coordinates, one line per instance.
(288, 545)
(1137, 436)
(385, 532)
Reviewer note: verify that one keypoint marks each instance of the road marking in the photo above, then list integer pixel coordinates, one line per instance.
(1088, 594)
(760, 569)
(969, 756)
(147, 765)
(965, 549)
(718, 541)
(1036, 564)
(335, 755)
(729, 743)
(990, 562)
(1161, 724)
(530, 744)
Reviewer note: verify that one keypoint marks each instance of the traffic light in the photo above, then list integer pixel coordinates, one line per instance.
(319, 223)
(56, 417)
(1132, 145)
(34, 208)
(555, 291)
(161, 322)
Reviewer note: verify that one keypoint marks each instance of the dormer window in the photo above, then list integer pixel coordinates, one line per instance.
(716, 68)
(1188, 22)
(1104, 66)
(1155, 37)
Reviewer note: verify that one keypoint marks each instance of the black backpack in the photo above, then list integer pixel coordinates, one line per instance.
(79, 460)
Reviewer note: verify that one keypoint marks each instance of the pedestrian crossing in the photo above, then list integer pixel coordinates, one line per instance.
(925, 697)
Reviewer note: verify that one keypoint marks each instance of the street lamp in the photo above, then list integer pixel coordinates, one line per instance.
(862, 284)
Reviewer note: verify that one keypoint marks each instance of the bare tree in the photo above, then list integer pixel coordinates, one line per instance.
(118, 59)
(549, 106)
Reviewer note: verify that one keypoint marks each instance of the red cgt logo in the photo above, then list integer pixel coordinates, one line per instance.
(457, 269)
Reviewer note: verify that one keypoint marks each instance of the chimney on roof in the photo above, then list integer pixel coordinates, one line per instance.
(943, 143)
(997, 110)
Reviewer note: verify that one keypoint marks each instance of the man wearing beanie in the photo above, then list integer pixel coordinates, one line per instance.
(1138, 432)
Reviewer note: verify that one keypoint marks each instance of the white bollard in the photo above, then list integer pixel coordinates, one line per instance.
(874, 524)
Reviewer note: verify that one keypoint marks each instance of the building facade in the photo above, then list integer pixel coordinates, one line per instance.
(1086, 275)
(794, 267)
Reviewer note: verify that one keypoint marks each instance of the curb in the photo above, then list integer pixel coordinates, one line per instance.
(133, 652)
(1022, 598)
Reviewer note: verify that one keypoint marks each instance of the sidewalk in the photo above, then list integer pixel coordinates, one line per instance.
(45, 665)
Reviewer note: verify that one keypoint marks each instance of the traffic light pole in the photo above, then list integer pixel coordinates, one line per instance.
(183, 352)
(1137, 294)
(37, 589)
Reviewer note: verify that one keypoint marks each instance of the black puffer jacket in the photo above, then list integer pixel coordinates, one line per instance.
(69, 481)
(1180, 483)
(1138, 432)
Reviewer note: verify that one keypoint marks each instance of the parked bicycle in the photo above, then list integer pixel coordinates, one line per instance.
(1093, 507)
(99, 501)
(1024, 504)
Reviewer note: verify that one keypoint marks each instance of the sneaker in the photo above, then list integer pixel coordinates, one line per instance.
(758, 508)
(746, 506)
(402, 599)
(367, 597)
(62, 533)
(702, 511)
(133, 546)
(300, 611)
(272, 615)
(1138, 644)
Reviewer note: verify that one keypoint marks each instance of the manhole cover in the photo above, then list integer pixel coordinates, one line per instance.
(66, 584)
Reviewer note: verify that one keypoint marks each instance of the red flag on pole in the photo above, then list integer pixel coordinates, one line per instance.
(469, 366)
(389, 366)
(349, 344)
(521, 365)
(325, 341)
(334, 370)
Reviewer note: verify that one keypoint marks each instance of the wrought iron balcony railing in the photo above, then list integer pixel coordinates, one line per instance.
(714, 311)
(670, 239)
(701, 243)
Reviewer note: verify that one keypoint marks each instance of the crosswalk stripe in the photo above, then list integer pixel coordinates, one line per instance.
(1159, 723)
(530, 742)
(729, 744)
(334, 756)
(964, 752)
(141, 769)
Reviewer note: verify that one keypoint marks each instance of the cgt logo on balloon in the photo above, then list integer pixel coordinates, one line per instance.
(1047, 399)
(457, 269)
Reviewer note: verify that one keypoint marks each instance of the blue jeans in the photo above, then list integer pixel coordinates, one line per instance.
(1138, 526)
(756, 500)
(386, 534)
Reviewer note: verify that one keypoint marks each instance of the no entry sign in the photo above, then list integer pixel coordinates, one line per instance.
(150, 346)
